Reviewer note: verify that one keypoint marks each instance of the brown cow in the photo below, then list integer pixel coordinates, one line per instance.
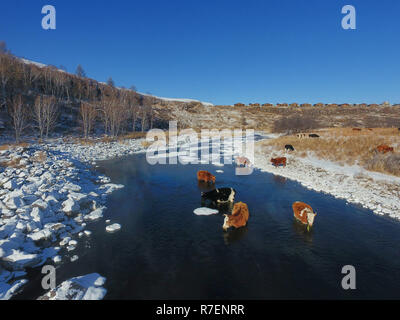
(356, 129)
(279, 162)
(238, 218)
(205, 176)
(383, 148)
(304, 213)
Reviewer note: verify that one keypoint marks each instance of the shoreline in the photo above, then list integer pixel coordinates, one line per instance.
(49, 194)
(377, 192)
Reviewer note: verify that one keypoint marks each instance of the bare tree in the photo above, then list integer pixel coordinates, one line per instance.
(51, 114)
(80, 72)
(3, 48)
(6, 62)
(88, 113)
(134, 112)
(19, 116)
(111, 82)
(143, 115)
(45, 114)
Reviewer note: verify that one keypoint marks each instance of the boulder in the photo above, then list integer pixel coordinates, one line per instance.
(70, 206)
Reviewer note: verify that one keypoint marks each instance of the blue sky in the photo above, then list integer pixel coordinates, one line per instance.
(217, 50)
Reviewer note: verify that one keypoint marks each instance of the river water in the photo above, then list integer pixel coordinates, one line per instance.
(165, 251)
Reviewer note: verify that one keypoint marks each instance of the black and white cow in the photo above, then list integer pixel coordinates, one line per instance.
(219, 196)
(289, 147)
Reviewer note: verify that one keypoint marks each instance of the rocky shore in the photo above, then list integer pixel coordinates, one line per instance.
(48, 195)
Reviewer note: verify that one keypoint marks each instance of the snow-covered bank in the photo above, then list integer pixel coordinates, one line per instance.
(375, 191)
(88, 287)
(48, 195)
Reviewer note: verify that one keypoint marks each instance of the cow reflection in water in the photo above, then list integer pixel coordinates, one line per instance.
(204, 186)
(302, 232)
(233, 235)
(280, 179)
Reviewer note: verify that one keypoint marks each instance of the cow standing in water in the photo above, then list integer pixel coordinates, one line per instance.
(304, 213)
(205, 176)
(220, 196)
(238, 218)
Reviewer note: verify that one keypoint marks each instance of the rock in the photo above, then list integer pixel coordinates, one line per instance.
(88, 287)
(8, 291)
(71, 248)
(19, 260)
(40, 204)
(37, 215)
(40, 235)
(113, 228)
(57, 259)
(74, 258)
(87, 233)
(14, 202)
(95, 215)
(11, 184)
(110, 187)
(205, 211)
(29, 199)
(80, 198)
(72, 187)
(70, 206)
(72, 242)
(51, 199)
(65, 241)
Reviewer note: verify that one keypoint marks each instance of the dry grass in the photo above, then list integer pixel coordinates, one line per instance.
(347, 146)
(85, 142)
(15, 163)
(15, 145)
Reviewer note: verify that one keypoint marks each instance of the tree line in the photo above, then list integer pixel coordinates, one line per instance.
(34, 96)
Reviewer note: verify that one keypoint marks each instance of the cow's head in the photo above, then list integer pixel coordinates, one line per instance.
(227, 224)
(310, 217)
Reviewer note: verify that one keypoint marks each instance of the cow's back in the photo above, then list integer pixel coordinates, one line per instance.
(240, 215)
(297, 208)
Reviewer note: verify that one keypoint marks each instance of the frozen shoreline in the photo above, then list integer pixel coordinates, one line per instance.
(47, 198)
(375, 191)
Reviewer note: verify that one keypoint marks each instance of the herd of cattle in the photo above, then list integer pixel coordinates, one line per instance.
(240, 212)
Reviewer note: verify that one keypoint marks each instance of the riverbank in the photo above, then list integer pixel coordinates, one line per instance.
(49, 194)
(376, 191)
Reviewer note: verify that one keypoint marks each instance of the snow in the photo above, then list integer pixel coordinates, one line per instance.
(7, 291)
(205, 211)
(207, 104)
(88, 287)
(113, 227)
